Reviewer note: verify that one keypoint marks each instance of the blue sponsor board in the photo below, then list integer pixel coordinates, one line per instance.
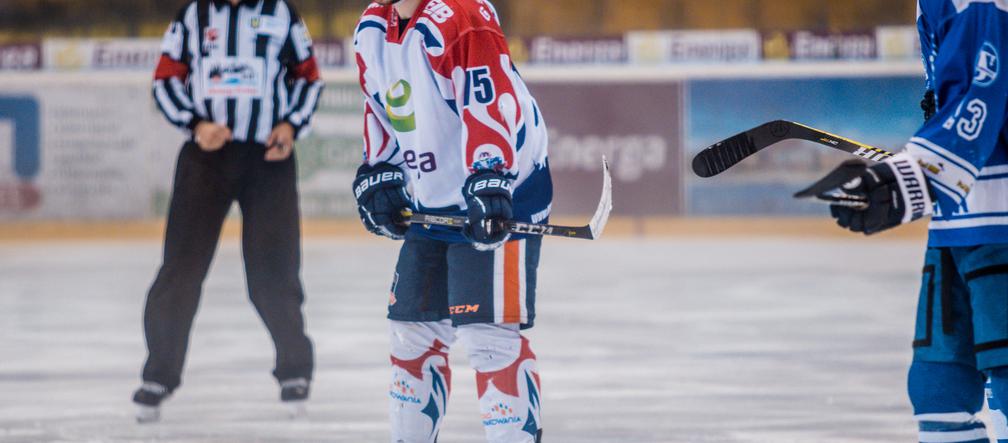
(881, 111)
(23, 113)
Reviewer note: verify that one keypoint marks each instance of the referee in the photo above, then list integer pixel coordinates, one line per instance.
(241, 78)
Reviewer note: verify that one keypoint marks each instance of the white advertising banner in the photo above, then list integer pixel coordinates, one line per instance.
(63, 54)
(97, 150)
(725, 46)
(93, 146)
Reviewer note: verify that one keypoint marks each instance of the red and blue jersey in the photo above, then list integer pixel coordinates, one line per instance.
(963, 147)
(443, 99)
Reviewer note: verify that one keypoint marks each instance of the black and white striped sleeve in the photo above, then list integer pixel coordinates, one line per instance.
(171, 90)
(303, 73)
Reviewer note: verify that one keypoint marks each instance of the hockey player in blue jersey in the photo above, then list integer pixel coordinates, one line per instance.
(954, 169)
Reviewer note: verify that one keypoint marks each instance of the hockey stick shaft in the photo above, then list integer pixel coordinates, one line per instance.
(591, 231)
(514, 227)
(721, 156)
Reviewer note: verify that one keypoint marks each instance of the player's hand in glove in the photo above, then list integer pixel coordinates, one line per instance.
(381, 199)
(871, 199)
(488, 196)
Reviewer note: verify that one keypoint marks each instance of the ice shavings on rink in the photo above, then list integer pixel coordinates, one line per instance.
(790, 340)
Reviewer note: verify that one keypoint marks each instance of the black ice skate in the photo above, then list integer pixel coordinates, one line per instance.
(294, 394)
(148, 400)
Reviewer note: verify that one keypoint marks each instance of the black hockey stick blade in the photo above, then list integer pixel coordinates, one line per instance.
(830, 189)
(593, 230)
(721, 156)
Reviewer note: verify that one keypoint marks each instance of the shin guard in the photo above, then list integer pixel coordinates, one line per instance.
(507, 382)
(946, 397)
(421, 379)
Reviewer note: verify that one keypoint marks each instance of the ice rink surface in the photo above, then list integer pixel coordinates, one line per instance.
(700, 340)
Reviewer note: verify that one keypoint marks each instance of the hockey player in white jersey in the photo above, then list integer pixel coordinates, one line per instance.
(450, 128)
(955, 168)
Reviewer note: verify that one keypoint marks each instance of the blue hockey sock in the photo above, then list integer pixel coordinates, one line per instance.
(946, 397)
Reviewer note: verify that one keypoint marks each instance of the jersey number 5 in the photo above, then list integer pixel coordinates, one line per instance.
(479, 86)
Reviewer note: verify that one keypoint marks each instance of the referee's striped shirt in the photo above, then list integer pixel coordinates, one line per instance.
(249, 67)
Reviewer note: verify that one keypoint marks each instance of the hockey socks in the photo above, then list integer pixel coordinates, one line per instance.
(946, 397)
(421, 379)
(507, 382)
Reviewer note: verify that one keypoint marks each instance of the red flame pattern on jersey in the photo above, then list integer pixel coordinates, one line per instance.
(468, 49)
(489, 107)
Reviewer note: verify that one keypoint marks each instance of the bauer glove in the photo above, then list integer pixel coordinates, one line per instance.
(876, 198)
(488, 196)
(381, 199)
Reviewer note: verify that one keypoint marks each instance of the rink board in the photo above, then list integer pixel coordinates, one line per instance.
(104, 153)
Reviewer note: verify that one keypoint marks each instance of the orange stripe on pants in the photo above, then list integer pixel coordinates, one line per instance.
(512, 282)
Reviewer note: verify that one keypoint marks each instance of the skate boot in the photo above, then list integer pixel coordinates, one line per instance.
(294, 394)
(148, 400)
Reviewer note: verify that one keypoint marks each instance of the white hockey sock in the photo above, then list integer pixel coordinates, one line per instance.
(421, 379)
(507, 382)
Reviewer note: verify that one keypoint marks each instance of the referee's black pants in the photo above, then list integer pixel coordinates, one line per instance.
(206, 184)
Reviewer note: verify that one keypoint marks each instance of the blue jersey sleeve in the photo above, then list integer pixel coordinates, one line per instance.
(972, 95)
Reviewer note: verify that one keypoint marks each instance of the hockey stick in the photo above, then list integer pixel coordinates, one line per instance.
(591, 231)
(720, 157)
(725, 154)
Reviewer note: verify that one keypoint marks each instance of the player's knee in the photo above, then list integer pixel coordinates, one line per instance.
(942, 388)
(491, 347)
(411, 339)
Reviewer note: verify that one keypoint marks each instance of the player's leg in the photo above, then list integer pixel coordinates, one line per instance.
(200, 201)
(945, 387)
(421, 379)
(421, 339)
(271, 246)
(985, 270)
(492, 297)
(946, 397)
(507, 381)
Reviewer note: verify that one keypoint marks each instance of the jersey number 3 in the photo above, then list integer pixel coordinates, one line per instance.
(969, 127)
(479, 86)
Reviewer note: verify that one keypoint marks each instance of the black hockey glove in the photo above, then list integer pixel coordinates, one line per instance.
(488, 196)
(381, 199)
(873, 199)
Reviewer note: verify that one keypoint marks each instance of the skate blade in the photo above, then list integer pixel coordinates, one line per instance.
(297, 410)
(148, 414)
